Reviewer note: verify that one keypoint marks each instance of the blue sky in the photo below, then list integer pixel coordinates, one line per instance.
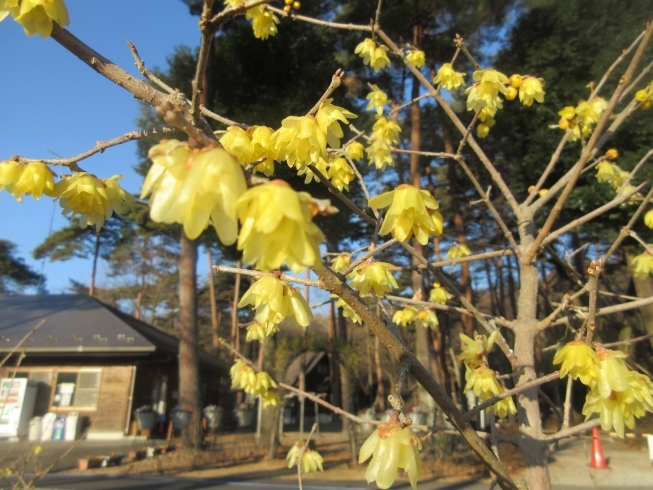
(53, 103)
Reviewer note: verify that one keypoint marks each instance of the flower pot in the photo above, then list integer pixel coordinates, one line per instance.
(213, 418)
(180, 418)
(146, 420)
(82, 464)
(245, 417)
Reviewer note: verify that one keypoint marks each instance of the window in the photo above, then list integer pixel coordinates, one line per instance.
(77, 389)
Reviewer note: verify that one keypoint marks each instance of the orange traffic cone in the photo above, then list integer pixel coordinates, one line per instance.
(597, 459)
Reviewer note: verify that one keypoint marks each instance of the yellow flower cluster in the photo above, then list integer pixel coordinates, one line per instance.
(36, 16)
(302, 140)
(648, 218)
(474, 349)
(90, 199)
(311, 461)
(258, 332)
(373, 54)
(81, 195)
(251, 145)
(378, 99)
(485, 385)
(404, 316)
(416, 57)
(384, 134)
(347, 310)
(642, 265)
(439, 295)
(458, 251)
(374, 276)
(340, 173)
(264, 22)
(191, 187)
(33, 179)
(448, 78)
(392, 446)
(582, 118)
(485, 91)
(275, 300)
(486, 116)
(244, 377)
(426, 319)
(276, 226)
(408, 213)
(618, 394)
(530, 89)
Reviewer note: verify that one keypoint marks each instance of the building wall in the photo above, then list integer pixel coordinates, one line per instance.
(112, 396)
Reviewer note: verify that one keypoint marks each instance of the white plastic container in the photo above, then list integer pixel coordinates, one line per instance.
(47, 426)
(35, 429)
(649, 437)
(72, 424)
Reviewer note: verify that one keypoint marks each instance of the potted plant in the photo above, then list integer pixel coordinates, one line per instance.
(213, 416)
(180, 417)
(145, 419)
(244, 415)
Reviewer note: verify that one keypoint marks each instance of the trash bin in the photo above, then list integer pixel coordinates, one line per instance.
(35, 429)
(72, 423)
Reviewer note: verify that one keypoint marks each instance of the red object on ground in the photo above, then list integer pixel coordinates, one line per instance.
(597, 459)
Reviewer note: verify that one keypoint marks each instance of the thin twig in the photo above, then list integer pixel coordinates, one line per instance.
(619, 59)
(594, 270)
(208, 31)
(140, 64)
(21, 342)
(301, 455)
(258, 274)
(173, 116)
(222, 119)
(368, 255)
(459, 42)
(324, 23)
(408, 104)
(572, 431)
(549, 168)
(634, 171)
(424, 153)
(336, 81)
(566, 420)
(629, 341)
(101, 146)
(625, 231)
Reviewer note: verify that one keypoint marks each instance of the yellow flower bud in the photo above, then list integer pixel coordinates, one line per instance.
(647, 104)
(648, 218)
(511, 93)
(612, 154)
(482, 130)
(355, 150)
(288, 2)
(377, 99)
(296, 5)
(641, 95)
(516, 81)
(287, 8)
(373, 54)
(563, 124)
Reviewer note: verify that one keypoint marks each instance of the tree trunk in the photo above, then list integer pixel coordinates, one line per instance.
(215, 322)
(96, 255)
(533, 449)
(380, 386)
(189, 389)
(334, 366)
(235, 337)
(643, 289)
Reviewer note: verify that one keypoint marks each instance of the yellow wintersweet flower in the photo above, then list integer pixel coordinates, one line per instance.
(299, 141)
(35, 179)
(579, 361)
(485, 385)
(449, 78)
(311, 460)
(274, 300)
(340, 174)
(83, 195)
(341, 262)
(605, 172)
(648, 217)
(116, 196)
(530, 90)
(190, 187)
(589, 112)
(473, 350)
(276, 226)
(485, 92)
(264, 22)
(379, 153)
(427, 319)
(386, 130)
(642, 265)
(36, 16)
(262, 384)
(243, 376)
(377, 100)
(408, 213)
(404, 316)
(329, 117)
(416, 57)
(374, 276)
(613, 374)
(233, 3)
(373, 54)
(439, 295)
(458, 251)
(9, 174)
(270, 399)
(237, 142)
(262, 146)
(347, 310)
(392, 446)
(258, 332)
(516, 80)
(567, 113)
(354, 150)
(9, 7)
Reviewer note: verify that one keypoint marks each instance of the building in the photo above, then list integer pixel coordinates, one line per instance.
(91, 358)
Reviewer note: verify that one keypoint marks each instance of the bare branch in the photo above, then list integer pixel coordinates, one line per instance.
(572, 431)
(626, 230)
(222, 119)
(336, 81)
(369, 254)
(140, 64)
(459, 42)
(549, 168)
(208, 31)
(621, 57)
(324, 23)
(594, 270)
(258, 274)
